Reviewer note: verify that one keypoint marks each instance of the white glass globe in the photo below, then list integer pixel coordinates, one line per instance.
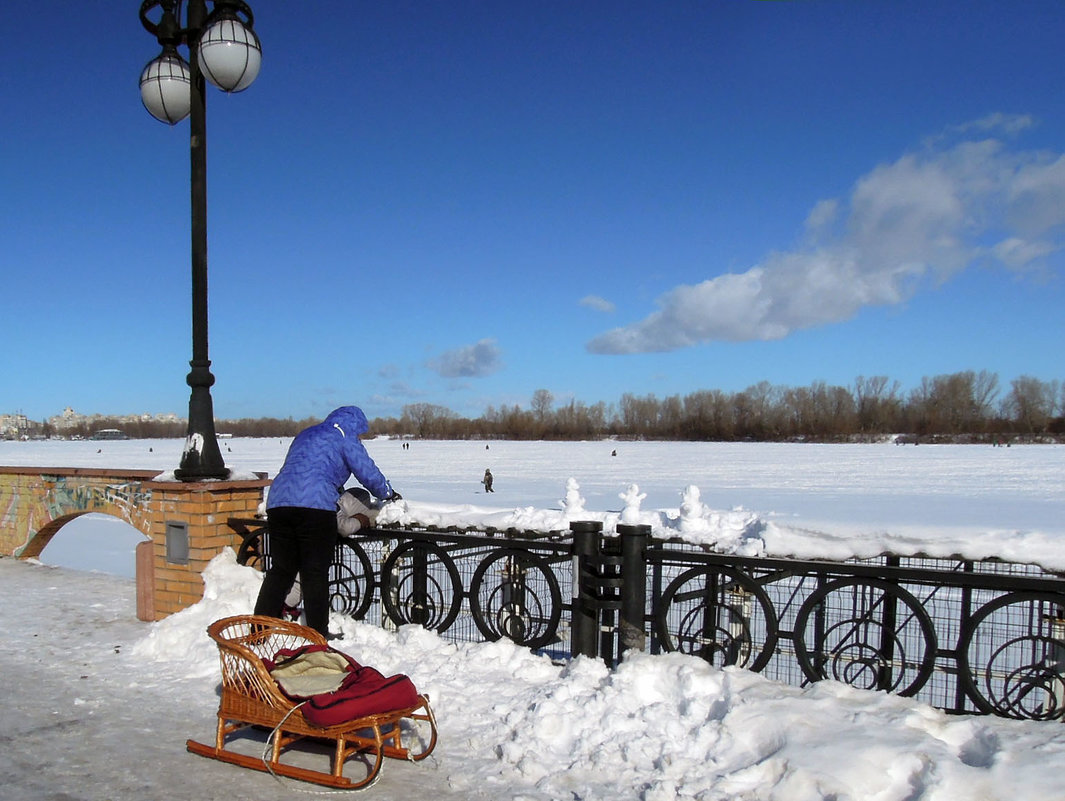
(166, 87)
(230, 54)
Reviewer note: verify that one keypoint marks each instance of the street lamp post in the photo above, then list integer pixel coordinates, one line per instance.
(223, 47)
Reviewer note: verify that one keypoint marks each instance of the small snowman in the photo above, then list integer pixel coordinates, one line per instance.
(630, 515)
(573, 505)
(692, 509)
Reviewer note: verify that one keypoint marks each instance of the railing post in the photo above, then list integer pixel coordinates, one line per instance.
(966, 616)
(419, 612)
(1055, 695)
(585, 613)
(633, 586)
(885, 678)
(513, 585)
(656, 599)
(391, 589)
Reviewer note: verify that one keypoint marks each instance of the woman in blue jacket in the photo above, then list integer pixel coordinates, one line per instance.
(302, 511)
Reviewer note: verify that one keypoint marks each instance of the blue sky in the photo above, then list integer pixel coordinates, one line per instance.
(461, 203)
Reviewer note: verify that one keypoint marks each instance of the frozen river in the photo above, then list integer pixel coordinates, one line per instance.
(805, 499)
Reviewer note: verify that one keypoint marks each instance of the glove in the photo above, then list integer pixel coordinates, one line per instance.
(395, 496)
(369, 514)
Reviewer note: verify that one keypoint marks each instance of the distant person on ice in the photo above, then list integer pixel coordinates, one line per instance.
(302, 511)
(487, 481)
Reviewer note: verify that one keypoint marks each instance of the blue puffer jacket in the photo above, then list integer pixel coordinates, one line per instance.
(321, 459)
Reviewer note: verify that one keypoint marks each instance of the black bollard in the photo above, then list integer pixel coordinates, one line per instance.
(584, 622)
(632, 633)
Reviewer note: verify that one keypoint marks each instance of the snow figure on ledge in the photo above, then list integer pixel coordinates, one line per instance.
(630, 515)
(692, 510)
(573, 505)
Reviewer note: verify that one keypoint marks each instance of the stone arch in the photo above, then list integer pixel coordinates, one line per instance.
(36, 502)
(37, 542)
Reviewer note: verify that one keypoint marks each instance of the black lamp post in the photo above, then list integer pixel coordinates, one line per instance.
(223, 47)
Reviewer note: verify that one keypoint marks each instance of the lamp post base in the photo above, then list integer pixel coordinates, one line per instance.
(197, 464)
(201, 459)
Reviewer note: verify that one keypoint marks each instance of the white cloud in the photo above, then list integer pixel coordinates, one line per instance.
(1037, 196)
(471, 361)
(597, 303)
(920, 219)
(822, 214)
(1020, 254)
(388, 371)
(1006, 123)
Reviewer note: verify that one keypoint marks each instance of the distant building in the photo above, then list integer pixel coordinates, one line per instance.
(70, 419)
(67, 420)
(109, 433)
(13, 425)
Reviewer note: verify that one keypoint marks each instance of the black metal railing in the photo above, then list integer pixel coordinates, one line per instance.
(962, 635)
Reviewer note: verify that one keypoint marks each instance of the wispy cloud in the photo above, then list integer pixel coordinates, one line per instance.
(472, 361)
(905, 225)
(1021, 254)
(597, 303)
(1004, 123)
(397, 394)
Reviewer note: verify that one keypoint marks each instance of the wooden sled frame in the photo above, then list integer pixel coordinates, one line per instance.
(251, 697)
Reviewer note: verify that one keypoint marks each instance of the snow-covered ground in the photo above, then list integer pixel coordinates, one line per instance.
(102, 704)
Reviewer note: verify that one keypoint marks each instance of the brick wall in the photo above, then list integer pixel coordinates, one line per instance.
(205, 508)
(35, 502)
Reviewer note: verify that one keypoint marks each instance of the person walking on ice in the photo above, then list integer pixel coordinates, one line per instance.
(487, 481)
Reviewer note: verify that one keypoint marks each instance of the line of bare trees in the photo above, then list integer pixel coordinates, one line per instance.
(960, 406)
(162, 429)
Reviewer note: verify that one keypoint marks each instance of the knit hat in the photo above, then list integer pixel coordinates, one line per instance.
(361, 495)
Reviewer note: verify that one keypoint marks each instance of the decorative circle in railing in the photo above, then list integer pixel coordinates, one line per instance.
(867, 633)
(1012, 659)
(351, 580)
(719, 615)
(514, 594)
(250, 551)
(420, 584)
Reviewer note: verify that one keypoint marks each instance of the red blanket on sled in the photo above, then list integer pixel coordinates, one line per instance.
(334, 688)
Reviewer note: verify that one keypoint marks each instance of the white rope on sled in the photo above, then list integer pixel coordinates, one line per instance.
(270, 747)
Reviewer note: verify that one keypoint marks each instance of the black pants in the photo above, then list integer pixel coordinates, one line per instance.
(301, 541)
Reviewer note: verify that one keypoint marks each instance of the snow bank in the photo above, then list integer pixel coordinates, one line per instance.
(515, 725)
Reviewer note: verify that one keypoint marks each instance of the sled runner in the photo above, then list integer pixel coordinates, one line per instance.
(250, 646)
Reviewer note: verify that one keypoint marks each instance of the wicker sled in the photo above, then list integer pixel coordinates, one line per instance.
(250, 697)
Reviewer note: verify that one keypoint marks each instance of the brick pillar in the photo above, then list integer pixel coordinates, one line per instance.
(193, 518)
(145, 563)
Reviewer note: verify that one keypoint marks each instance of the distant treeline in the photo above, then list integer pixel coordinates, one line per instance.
(965, 406)
(158, 429)
(960, 406)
